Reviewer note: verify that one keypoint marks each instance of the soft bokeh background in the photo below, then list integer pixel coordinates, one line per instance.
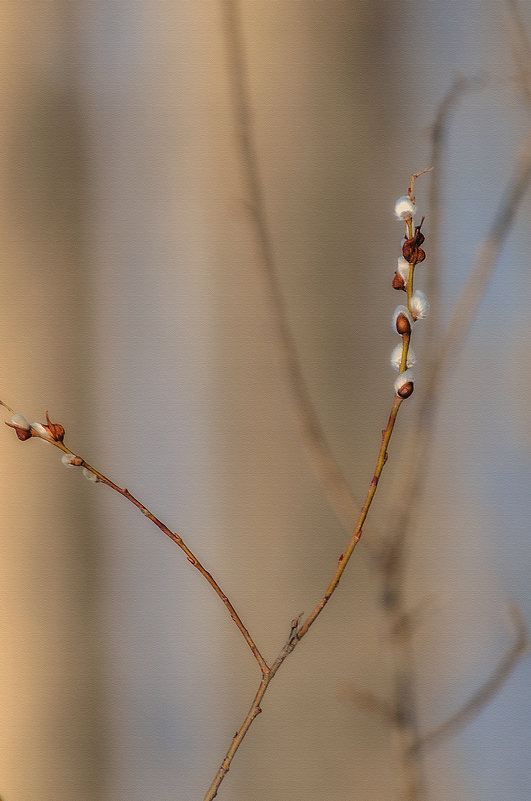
(134, 309)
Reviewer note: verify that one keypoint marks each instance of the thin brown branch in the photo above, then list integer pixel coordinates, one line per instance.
(479, 700)
(298, 632)
(176, 538)
(520, 47)
(453, 340)
(325, 465)
(414, 178)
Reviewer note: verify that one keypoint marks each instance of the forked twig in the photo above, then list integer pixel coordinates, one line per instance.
(53, 433)
(403, 389)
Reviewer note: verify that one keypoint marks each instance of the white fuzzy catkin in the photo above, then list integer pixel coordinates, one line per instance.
(90, 476)
(405, 208)
(420, 305)
(396, 357)
(40, 429)
(20, 421)
(402, 269)
(404, 378)
(68, 459)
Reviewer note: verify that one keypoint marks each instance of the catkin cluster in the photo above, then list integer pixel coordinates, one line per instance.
(405, 316)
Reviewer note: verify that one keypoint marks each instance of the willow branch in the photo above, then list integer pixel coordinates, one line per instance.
(78, 461)
(393, 556)
(479, 700)
(324, 463)
(453, 340)
(298, 632)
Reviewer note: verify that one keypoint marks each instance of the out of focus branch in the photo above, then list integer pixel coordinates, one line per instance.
(439, 135)
(520, 47)
(325, 465)
(479, 700)
(368, 702)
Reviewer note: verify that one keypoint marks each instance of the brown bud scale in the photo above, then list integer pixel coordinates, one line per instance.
(55, 430)
(406, 390)
(411, 249)
(403, 325)
(22, 433)
(399, 283)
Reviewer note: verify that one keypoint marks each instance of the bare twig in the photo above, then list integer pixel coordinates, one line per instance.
(479, 700)
(81, 463)
(300, 631)
(53, 434)
(325, 465)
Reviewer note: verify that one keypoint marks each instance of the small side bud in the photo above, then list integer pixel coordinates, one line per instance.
(420, 305)
(56, 430)
(21, 426)
(90, 476)
(404, 384)
(396, 357)
(398, 282)
(71, 460)
(402, 320)
(411, 250)
(405, 208)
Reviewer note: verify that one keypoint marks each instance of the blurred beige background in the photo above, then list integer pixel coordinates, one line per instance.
(135, 311)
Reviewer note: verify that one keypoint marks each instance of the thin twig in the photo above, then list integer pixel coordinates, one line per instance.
(453, 340)
(325, 465)
(298, 631)
(81, 463)
(479, 700)
(302, 630)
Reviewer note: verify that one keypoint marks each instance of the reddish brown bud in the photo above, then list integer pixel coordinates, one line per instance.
(55, 430)
(403, 325)
(398, 282)
(21, 432)
(411, 249)
(406, 390)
